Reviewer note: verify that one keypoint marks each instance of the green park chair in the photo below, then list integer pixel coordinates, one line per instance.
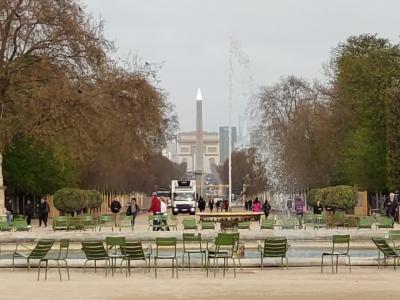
(61, 257)
(364, 222)
(74, 223)
(21, 225)
(133, 251)
(192, 244)
(274, 247)
(320, 221)
(113, 244)
(207, 225)
(38, 253)
(384, 222)
(394, 236)
(60, 223)
(156, 222)
(106, 221)
(289, 223)
(4, 226)
(244, 225)
(339, 219)
(189, 224)
(168, 244)
(308, 220)
(125, 222)
(267, 224)
(224, 248)
(340, 247)
(95, 251)
(173, 222)
(387, 250)
(87, 222)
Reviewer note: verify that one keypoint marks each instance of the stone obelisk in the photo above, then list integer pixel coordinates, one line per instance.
(199, 166)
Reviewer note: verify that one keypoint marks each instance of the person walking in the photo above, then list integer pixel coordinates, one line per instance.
(211, 204)
(266, 208)
(29, 212)
(9, 211)
(155, 208)
(218, 205)
(225, 204)
(115, 208)
(249, 205)
(318, 208)
(202, 204)
(134, 210)
(44, 210)
(163, 211)
(299, 209)
(256, 207)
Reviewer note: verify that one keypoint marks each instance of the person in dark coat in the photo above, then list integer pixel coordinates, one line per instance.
(318, 208)
(202, 204)
(115, 208)
(211, 204)
(266, 208)
(29, 212)
(44, 210)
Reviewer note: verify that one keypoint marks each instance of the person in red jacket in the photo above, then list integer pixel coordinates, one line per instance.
(155, 208)
(155, 204)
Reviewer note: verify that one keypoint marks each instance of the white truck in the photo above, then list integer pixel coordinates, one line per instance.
(183, 196)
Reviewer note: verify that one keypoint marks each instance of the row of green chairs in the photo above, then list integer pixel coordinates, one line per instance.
(88, 222)
(18, 224)
(380, 221)
(40, 253)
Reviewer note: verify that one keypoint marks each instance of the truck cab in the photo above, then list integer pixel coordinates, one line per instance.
(183, 196)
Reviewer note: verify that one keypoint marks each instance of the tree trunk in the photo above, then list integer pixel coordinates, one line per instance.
(2, 188)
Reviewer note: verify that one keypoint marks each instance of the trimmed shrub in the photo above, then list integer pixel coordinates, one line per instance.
(312, 197)
(337, 197)
(93, 198)
(70, 199)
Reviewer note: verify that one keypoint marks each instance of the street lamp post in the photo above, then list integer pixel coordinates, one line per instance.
(230, 126)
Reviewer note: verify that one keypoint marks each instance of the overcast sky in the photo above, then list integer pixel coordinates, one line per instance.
(191, 39)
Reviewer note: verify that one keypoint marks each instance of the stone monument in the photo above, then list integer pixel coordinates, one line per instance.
(199, 166)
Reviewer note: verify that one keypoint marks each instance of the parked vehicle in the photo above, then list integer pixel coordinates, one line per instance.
(183, 196)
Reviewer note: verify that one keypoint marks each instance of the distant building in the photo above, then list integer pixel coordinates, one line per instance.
(224, 142)
(186, 150)
(170, 151)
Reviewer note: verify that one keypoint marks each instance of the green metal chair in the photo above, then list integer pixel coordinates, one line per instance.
(394, 236)
(74, 223)
(21, 225)
(134, 251)
(274, 247)
(61, 257)
(364, 222)
(244, 225)
(95, 251)
(156, 222)
(384, 222)
(114, 251)
(106, 221)
(192, 244)
(289, 223)
(267, 224)
(125, 222)
(387, 250)
(60, 223)
(173, 222)
(340, 247)
(189, 224)
(224, 247)
(38, 253)
(320, 221)
(169, 244)
(308, 220)
(339, 219)
(207, 225)
(87, 222)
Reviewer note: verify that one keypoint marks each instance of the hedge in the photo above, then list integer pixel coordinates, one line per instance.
(336, 197)
(93, 199)
(70, 199)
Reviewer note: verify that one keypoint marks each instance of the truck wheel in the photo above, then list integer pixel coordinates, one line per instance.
(174, 213)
